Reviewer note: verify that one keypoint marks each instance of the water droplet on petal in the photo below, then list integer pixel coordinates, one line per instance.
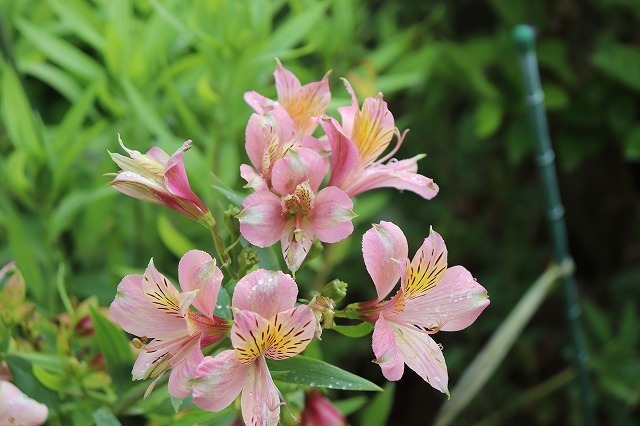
(468, 295)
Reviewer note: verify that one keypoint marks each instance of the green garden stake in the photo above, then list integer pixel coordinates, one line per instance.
(524, 37)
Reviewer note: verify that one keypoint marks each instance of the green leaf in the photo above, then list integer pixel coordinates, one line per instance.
(223, 305)
(619, 61)
(378, 410)
(114, 346)
(104, 417)
(64, 215)
(18, 115)
(555, 97)
(53, 76)
(359, 330)
(145, 112)
(488, 117)
(48, 361)
(229, 194)
(293, 31)
(349, 406)
(53, 381)
(61, 52)
(197, 416)
(22, 372)
(82, 18)
(313, 372)
(173, 239)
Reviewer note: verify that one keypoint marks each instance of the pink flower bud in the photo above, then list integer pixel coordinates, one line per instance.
(318, 411)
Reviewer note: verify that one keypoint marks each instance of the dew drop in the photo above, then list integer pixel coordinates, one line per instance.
(260, 281)
(468, 295)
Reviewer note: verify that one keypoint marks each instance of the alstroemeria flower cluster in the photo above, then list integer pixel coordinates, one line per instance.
(432, 297)
(302, 190)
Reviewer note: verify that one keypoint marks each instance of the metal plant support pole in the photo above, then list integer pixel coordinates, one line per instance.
(524, 36)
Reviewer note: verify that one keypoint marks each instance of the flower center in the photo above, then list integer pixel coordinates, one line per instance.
(300, 202)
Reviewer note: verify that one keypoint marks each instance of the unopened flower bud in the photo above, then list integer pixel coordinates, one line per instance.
(335, 290)
(247, 258)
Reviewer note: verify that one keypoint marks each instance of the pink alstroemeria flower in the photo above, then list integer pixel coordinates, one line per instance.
(266, 325)
(150, 306)
(295, 211)
(318, 411)
(356, 145)
(157, 178)
(302, 103)
(431, 298)
(16, 408)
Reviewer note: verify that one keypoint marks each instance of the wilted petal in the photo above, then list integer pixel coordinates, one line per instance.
(260, 396)
(219, 381)
(302, 102)
(296, 167)
(180, 380)
(296, 242)
(383, 246)
(331, 215)
(261, 220)
(265, 292)
(422, 355)
(427, 267)
(16, 408)
(386, 350)
(452, 305)
(290, 332)
(395, 174)
(344, 153)
(198, 271)
(136, 315)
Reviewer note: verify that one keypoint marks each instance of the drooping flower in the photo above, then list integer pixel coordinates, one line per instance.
(357, 144)
(157, 178)
(266, 325)
(302, 103)
(150, 306)
(16, 408)
(318, 411)
(432, 297)
(295, 211)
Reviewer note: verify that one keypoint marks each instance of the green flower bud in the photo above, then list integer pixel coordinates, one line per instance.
(335, 290)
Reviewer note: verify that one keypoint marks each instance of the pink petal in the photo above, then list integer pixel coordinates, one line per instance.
(261, 220)
(158, 154)
(400, 175)
(265, 292)
(296, 242)
(348, 114)
(296, 167)
(250, 335)
(258, 102)
(452, 305)
(136, 315)
(344, 153)
(386, 350)
(161, 355)
(176, 178)
(427, 266)
(257, 135)
(219, 381)
(292, 331)
(383, 246)
(140, 188)
(180, 380)
(331, 215)
(16, 408)
(198, 271)
(423, 356)
(372, 129)
(254, 180)
(260, 397)
(302, 102)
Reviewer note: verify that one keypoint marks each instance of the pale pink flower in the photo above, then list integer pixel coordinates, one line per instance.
(150, 306)
(431, 298)
(356, 145)
(318, 411)
(157, 178)
(266, 325)
(302, 103)
(16, 408)
(295, 211)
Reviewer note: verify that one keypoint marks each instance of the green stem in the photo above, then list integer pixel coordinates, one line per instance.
(221, 250)
(525, 39)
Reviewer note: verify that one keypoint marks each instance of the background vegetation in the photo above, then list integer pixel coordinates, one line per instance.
(75, 73)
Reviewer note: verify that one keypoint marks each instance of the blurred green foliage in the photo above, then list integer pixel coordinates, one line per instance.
(75, 73)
